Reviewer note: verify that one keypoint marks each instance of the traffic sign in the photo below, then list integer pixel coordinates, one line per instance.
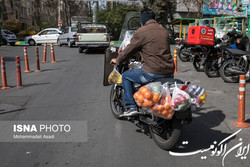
(60, 22)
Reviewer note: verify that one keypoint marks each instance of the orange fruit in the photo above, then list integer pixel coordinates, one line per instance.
(145, 104)
(155, 97)
(168, 98)
(162, 101)
(166, 106)
(139, 104)
(155, 108)
(143, 90)
(150, 103)
(169, 116)
(160, 107)
(136, 95)
(148, 95)
(140, 98)
(164, 112)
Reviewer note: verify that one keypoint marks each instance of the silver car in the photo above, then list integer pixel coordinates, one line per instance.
(8, 37)
(68, 36)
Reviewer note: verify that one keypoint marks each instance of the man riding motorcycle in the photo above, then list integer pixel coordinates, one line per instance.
(152, 42)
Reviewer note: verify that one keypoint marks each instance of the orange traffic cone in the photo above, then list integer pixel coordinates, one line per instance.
(175, 61)
(37, 61)
(4, 78)
(18, 73)
(26, 60)
(241, 114)
(52, 53)
(44, 53)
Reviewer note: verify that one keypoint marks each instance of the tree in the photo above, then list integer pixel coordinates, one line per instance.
(164, 9)
(13, 25)
(198, 4)
(114, 16)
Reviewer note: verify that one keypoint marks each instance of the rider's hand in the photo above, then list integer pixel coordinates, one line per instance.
(113, 61)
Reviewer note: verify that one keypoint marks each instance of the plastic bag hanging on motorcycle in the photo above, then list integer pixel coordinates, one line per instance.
(162, 107)
(148, 94)
(198, 96)
(180, 100)
(115, 77)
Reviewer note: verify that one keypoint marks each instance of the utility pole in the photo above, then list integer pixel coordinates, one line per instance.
(59, 14)
(94, 11)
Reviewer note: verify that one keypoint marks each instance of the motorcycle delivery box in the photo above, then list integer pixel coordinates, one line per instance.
(200, 35)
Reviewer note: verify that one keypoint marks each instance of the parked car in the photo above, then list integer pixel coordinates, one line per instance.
(8, 37)
(92, 35)
(68, 36)
(49, 35)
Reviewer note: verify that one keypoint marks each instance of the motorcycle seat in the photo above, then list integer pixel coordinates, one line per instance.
(238, 52)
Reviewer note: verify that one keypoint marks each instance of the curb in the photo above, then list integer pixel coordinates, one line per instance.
(26, 44)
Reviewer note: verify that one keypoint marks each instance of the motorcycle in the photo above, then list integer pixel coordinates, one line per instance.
(183, 50)
(236, 61)
(165, 133)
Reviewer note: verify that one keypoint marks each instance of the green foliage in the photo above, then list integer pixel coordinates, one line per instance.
(114, 17)
(164, 9)
(27, 32)
(13, 25)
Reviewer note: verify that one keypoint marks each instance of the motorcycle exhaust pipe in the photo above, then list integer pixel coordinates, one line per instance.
(235, 71)
(186, 53)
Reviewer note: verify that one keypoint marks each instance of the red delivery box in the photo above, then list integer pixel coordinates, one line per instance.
(200, 35)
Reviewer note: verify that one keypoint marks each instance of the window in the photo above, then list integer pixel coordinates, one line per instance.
(44, 32)
(73, 29)
(52, 32)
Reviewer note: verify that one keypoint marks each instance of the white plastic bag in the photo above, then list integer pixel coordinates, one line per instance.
(180, 100)
(126, 41)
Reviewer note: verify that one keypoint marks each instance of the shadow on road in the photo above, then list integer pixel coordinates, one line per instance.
(62, 61)
(95, 51)
(201, 133)
(50, 70)
(11, 111)
(36, 84)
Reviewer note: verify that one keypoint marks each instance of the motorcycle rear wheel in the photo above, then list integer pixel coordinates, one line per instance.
(227, 76)
(197, 64)
(183, 57)
(116, 101)
(170, 135)
(211, 68)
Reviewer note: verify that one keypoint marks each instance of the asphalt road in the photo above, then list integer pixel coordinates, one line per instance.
(71, 89)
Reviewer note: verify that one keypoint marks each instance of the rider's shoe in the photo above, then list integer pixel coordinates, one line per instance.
(130, 112)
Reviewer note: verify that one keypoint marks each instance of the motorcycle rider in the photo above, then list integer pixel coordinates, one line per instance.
(152, 42)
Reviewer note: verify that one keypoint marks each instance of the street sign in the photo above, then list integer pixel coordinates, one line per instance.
(60, 22)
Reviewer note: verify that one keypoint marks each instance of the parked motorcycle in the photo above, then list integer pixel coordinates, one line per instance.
(183, 50)
(236, 61)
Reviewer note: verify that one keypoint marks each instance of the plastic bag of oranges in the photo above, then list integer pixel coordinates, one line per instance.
(148, 95)
(162, 107)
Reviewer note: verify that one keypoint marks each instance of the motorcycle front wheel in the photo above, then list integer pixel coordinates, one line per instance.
(182, 56)
(211, 68)
(116, 101)
(168, 135)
